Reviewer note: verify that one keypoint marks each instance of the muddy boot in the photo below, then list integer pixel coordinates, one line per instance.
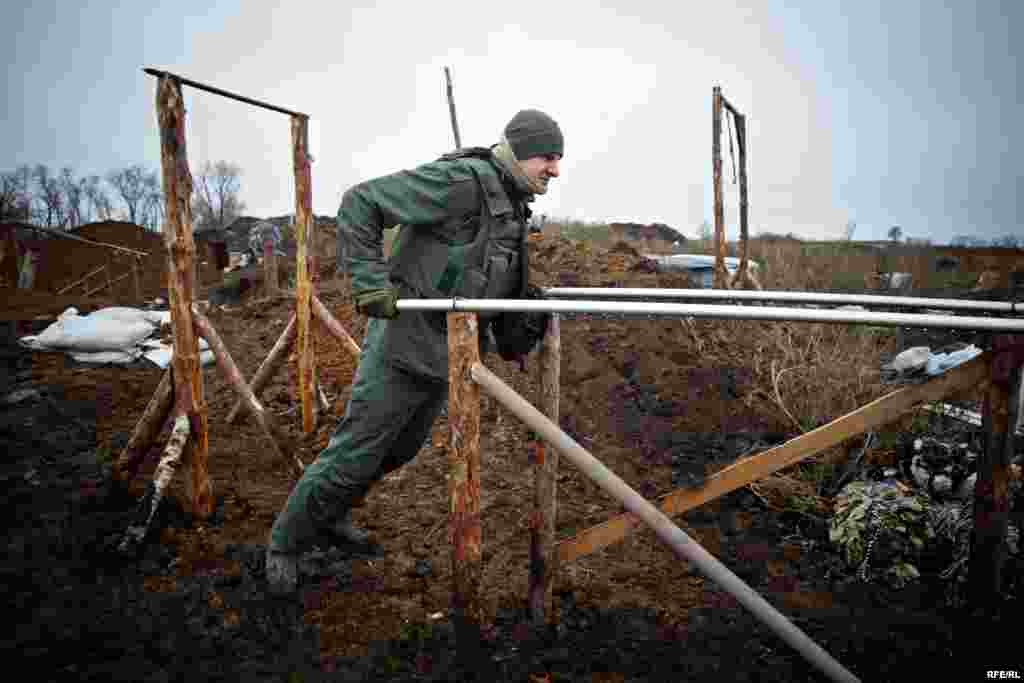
(350, 538)
(282, 572)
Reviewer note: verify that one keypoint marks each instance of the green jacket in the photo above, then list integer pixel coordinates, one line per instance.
(463, 234)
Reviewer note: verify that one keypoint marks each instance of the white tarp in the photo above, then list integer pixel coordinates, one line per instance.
(117, 334)
(701, 266)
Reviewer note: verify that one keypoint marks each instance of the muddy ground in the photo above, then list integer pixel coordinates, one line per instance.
(638, 393)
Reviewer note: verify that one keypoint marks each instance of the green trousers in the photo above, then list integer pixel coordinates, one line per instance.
(390, 414)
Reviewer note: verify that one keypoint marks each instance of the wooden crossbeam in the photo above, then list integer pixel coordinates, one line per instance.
(971, 375)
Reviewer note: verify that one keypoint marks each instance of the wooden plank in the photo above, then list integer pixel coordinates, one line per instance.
(875, 414)
(543, 546)
(304, 285)
(464, 461)
(181, 248)
(80, 280)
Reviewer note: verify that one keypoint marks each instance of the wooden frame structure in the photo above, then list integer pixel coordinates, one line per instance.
(742, 277)
(179, 396)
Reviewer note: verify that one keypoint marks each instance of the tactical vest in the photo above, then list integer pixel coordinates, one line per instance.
(482, 256)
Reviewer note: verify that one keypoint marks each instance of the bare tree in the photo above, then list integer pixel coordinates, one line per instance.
(73, 197)
(99, 201)
(133, 185)
(16, 195)
(154, 212)
(50, 195)
(895, 233)
(216, 202)
(851, 227)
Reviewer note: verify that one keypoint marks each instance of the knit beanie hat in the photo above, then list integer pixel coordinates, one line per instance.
(532, 133)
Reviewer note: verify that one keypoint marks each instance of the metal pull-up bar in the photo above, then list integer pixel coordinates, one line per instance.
(224, 93)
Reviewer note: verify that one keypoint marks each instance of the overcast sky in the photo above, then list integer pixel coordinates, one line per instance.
(899, 113)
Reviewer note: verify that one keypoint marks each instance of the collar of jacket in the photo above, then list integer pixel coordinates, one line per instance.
(511, 171)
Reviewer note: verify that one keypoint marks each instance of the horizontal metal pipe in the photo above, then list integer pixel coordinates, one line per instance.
(793, 297)
(734, 312)
(223, 93)
(677, 539)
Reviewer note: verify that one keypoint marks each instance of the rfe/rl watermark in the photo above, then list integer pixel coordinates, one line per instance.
(1003, 674)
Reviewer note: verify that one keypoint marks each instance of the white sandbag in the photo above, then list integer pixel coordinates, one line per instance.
(127, 314)
(911, 360)
(86, 333)
(107, 357)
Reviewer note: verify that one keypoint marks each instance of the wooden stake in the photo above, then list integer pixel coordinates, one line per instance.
(336, 329)
(188, 380)
(875, 414)
(304, 285)
(146, 430)
(234, 377)
(991, 491)
(742, 273)
(543, 555)
(464, 460)
(721, 273)
(269, 367)
(451, 109)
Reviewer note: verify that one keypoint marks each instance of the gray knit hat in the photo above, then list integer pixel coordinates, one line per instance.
(532, 133)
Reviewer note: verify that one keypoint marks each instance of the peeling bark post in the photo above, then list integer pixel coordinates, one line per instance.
(146, 431)
(721, 275)
(304, 285)
(269, 268)
(991, 492)
(543, 550)
(188, 380)
(271, 364)
(464, 486)
(742, 276)
(234, 377)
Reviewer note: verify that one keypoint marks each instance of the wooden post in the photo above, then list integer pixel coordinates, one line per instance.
(721, 274)
(334, 327)
(304, 285)
(543, 551)
(147, 429)
(234, 377)
(742, 278)
(135, 278)
(188, 380)
(991, 492)
(464, 485)
(269, 366)
(269, 268)
(451, 109)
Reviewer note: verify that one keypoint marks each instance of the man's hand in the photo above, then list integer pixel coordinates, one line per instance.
(377, 303)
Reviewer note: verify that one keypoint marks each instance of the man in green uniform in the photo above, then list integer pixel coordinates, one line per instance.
(463, 233)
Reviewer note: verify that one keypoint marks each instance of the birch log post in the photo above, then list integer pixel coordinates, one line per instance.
(336, 329)
(721, 276)
(234, 377)
(270, 365)
(543, 550)
(464, 485)
(146, 430)
(304, 284)
(181, 249)
(165, 471)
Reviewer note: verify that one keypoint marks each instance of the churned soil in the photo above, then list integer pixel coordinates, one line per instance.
(637, 393)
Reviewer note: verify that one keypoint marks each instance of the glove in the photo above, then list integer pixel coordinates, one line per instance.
(377, 303)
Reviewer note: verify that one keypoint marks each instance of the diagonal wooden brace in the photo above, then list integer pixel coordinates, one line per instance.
(146, 430)
(271, 364)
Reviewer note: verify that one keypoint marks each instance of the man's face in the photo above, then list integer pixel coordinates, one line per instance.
(542, 169)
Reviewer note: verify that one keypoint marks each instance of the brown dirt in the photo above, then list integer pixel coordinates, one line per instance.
(609, 368)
